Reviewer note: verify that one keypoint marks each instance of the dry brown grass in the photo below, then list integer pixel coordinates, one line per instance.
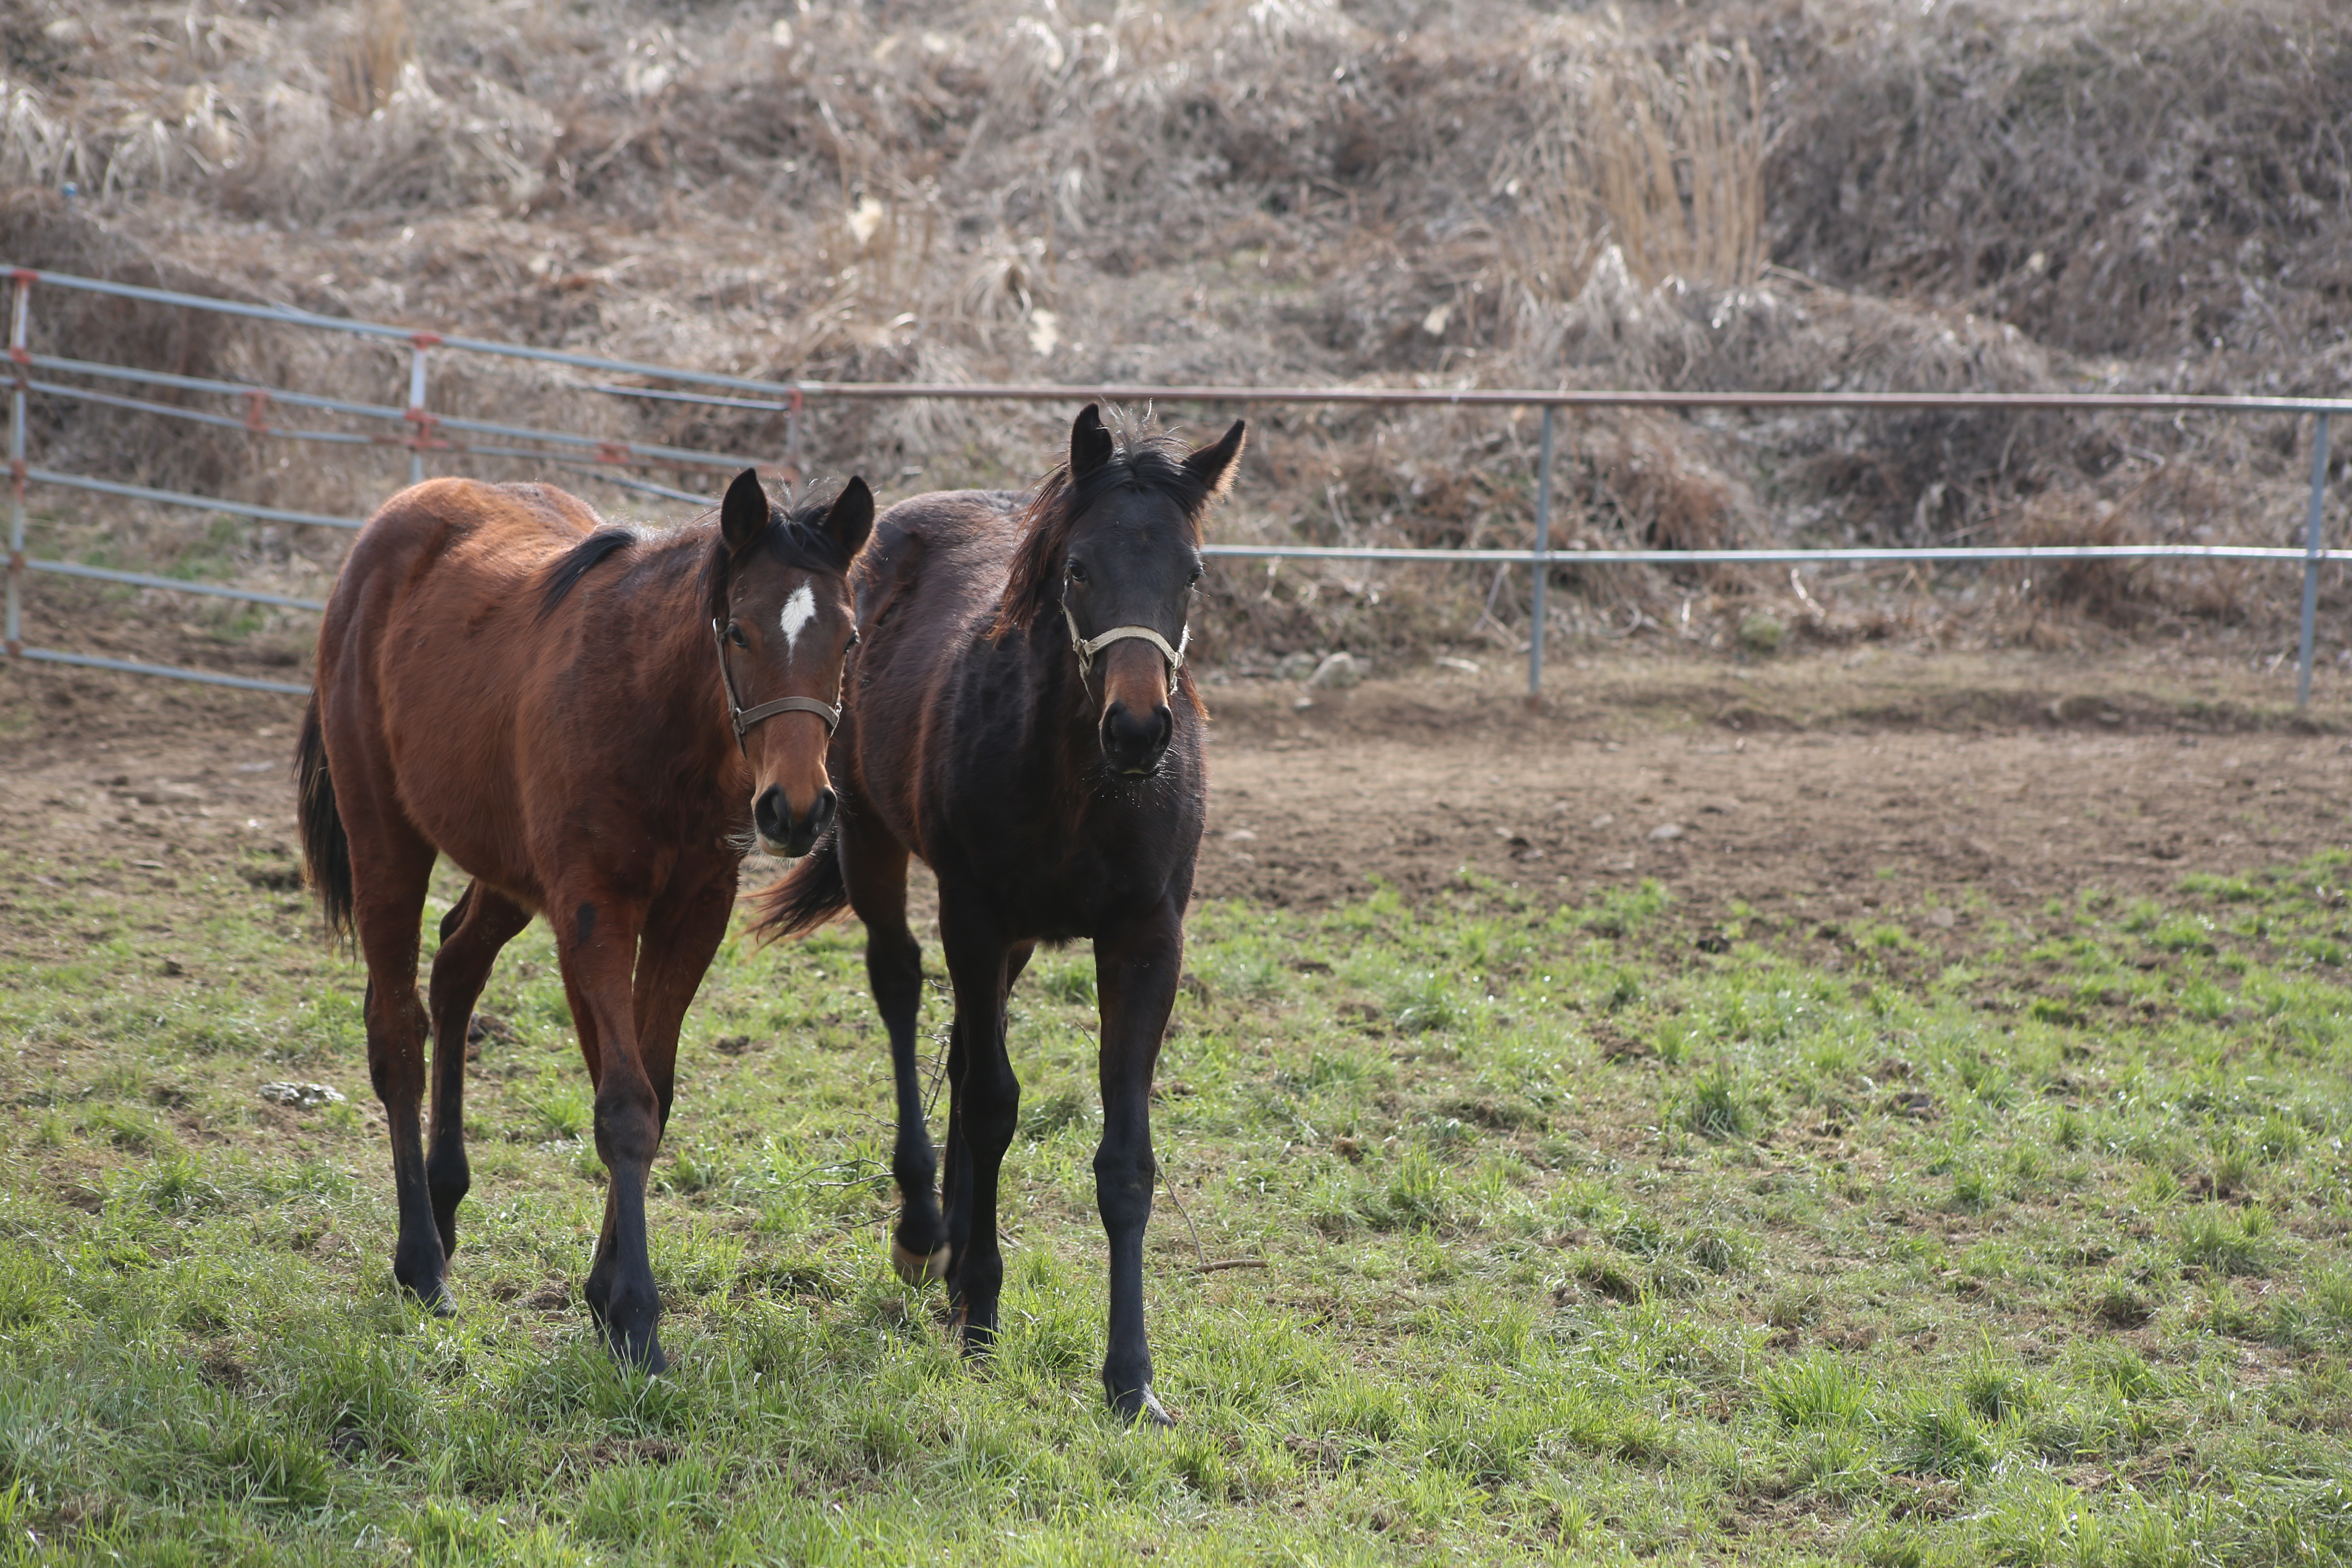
(364, 68)
(1679, 160)
(1260, 192)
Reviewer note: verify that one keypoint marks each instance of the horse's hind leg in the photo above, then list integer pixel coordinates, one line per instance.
(875, 867)
(472, 932)
(392, 865)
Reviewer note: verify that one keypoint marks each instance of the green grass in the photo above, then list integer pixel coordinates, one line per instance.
(1578, 1243)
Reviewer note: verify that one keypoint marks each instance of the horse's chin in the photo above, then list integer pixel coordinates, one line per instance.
(776, 851)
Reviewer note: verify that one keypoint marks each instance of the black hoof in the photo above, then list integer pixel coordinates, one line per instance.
(979, 1336)
(1142, 1409)
(630, 1330)
(641, 1352)
(431, 1293)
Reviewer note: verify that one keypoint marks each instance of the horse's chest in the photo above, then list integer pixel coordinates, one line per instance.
(1060, 886)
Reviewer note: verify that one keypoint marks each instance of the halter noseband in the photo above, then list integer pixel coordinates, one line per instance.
(1087, 647)
(743, 718)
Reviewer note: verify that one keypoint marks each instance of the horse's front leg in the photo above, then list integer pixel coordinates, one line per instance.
(683, 931)
(1136, 967)
(987, 1106)
(596, 943)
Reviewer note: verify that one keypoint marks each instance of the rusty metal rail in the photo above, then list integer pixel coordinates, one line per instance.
(422, 432)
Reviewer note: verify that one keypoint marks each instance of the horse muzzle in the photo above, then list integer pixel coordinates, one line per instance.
(1133, 743)
(781, 832)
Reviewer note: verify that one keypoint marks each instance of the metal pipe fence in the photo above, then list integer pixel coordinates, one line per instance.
(420, 431)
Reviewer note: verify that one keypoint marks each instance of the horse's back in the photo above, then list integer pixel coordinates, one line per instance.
(448, 537)
(427, 652)
(927, 590)
(926, 584)
(949, 545)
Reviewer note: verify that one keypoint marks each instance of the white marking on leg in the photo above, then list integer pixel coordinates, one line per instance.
(799, 610)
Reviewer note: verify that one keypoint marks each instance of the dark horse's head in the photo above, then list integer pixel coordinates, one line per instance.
(1112, 552)
(779, 600)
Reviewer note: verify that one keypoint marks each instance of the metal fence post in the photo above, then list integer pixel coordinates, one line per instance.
(1542, 561)
(420, 422)
(20, 361)
(2311, 561)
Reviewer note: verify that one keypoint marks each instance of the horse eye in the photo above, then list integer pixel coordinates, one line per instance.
(855, 639)
(1077, 570)
(735, 634)
(1195, 577)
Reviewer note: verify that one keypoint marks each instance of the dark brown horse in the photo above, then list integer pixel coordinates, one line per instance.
(1020, 719)
(552, 703)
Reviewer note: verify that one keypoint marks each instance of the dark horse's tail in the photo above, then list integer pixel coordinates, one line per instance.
(326, 852)
(804, 898)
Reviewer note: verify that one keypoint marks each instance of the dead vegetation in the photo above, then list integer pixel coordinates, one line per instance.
(1982, 197)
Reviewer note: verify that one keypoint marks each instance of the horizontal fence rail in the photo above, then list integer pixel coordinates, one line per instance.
(420, 431)
(429, 437)
(1573, 556)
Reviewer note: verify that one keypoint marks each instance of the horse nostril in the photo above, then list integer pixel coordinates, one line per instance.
(772, 814)
(820, 813)
(1133, 741)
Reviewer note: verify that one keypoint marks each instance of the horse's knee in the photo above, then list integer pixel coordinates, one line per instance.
(628, 1122)
(1124, 1182)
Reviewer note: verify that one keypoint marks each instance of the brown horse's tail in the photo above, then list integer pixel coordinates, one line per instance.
(804, 898)
(326, 852)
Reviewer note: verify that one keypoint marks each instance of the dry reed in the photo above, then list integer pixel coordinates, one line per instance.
(1262, 192)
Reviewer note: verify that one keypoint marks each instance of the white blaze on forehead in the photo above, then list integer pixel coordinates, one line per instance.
(799, 610)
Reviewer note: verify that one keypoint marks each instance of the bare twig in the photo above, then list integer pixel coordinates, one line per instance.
(1188, 1220)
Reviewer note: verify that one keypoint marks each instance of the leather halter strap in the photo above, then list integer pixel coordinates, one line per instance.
(1087, 647)
(743, 718)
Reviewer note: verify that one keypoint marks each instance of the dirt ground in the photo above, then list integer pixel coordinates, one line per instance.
(1829, 781)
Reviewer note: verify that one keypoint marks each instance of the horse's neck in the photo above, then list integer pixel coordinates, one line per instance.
(1068, 716)
(1064, 708)
(679, 670)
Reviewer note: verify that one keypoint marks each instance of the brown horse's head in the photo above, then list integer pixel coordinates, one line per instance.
(779, 597)
(1113, 551)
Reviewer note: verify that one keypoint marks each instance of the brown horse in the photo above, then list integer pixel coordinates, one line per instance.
(1021, 721)
(552, 704)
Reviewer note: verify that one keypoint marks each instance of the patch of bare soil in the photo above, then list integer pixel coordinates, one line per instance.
(1839, 783)
(1842, 783)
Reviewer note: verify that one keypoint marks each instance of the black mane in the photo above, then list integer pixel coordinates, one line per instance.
(795, 538)
(574, 563)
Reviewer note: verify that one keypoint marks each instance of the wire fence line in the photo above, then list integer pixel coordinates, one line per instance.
(418, 429)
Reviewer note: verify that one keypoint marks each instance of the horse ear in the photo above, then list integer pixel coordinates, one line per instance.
(1215, 466)
(1089, 442)
(743, 515)
(850, 520)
